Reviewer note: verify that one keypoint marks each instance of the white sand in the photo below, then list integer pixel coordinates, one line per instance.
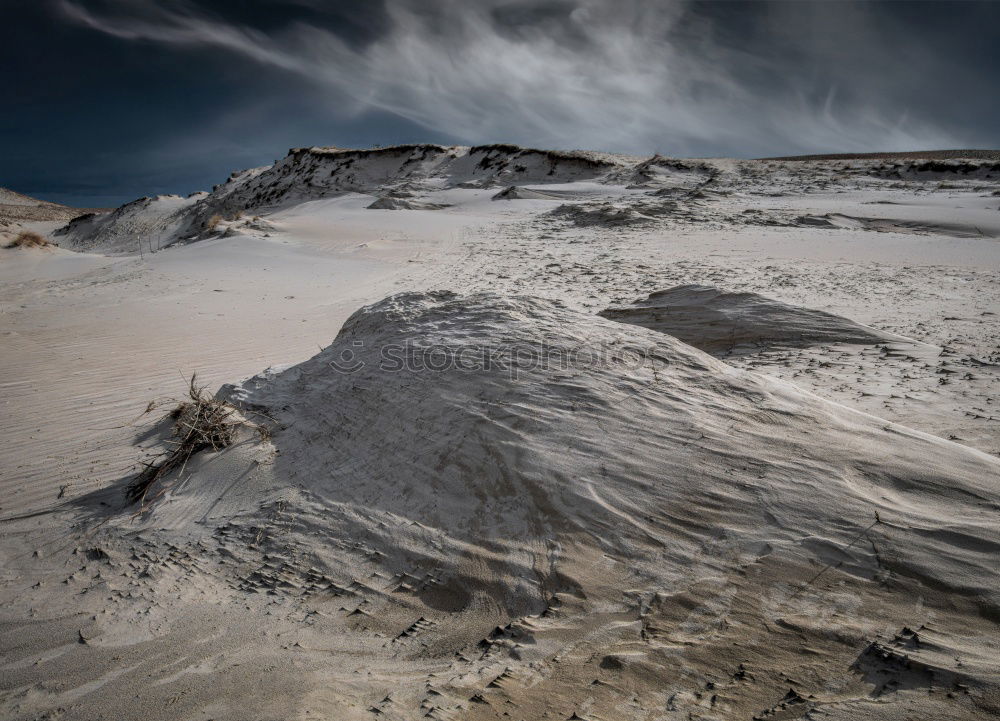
(621, 541)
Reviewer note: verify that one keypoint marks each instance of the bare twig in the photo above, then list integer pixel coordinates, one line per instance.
(200, 423)
(838, 563)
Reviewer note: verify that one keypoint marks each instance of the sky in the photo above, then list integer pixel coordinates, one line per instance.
(110, 100)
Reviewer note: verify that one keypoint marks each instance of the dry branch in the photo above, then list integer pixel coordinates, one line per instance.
(201, 422)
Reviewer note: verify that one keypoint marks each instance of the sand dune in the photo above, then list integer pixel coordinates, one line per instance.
(724, 323)
(490, 469)
(919, 154)
(395, 203)
(16, 209)
(515, 192)
(892, 225)
(602, 522)
(396, 174)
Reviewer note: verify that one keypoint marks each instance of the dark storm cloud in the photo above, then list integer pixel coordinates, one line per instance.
(687, 78)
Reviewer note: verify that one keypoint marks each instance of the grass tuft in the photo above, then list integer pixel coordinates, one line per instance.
(28, 239)
(200, 422)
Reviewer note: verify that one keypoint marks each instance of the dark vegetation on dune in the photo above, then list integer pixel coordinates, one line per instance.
(201, 422)
(914, 154)
(28, 239)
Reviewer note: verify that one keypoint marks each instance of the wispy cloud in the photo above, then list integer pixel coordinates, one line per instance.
(624, 75)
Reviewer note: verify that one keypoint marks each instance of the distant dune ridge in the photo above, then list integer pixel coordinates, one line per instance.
(900, 155)
(17, 209)
(20, 207)
(397, 174)
(313, 173)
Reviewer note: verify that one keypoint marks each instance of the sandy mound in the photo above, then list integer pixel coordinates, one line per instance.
(153, 222)
(486, 507)
(604, 215)
(515, 192)
(892, 225)
(438, 428)
(389, 202)
(672, 172)
(721, 323)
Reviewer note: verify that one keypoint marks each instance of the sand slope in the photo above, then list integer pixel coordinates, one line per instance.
(17, 209)
(722, 323)
(146, 223)
(536, 412)
(510, 506)
(313, 173)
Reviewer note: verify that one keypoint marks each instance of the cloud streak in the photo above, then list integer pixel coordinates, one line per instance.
(629, 75)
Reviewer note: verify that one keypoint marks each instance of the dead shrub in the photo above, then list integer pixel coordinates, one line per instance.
(28, 239)
(200, 422)
(213, 222)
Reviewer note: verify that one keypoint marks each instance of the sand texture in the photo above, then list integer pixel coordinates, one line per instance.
(515, 434)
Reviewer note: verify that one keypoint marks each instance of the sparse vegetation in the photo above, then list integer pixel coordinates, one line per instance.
(201, 422)
(28, 239)
(212, 224)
